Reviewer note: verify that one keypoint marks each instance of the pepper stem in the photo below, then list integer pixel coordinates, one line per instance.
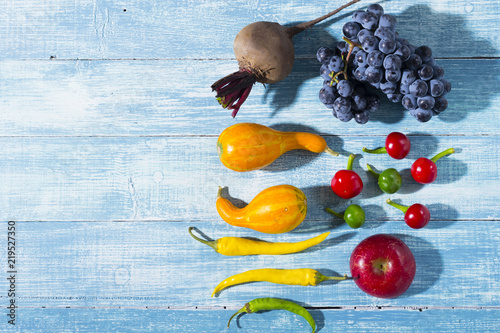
(373, 172)
(243, 309)
(320, 278)
(443, 153)
(350, 161)
(398, 206)
(331, 211)
(212, 244)
(380, 150)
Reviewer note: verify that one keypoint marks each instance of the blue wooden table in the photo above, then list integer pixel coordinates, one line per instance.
(108, 154)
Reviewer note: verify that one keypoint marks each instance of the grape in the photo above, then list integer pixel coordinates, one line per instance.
(424, 52)
(404, 89)
(369, 21)
(422, 115)
(388, 21)
(395, 97)
(418, 88)
(441, 104)
(387, 45)
(403, 52)
(392, 62)
(375, 9)
(327, 95)
(362, 117)
(336, 64)
(407, 77)
(370, 44)
(324, 72)
(372, 102)
(362, 34)
(358, 16)
(375, 59)
(436, 88)
(378, 58)
(361, 58)
(438, 72)
(358, 102)
(384, 32)
(393, 75)
(359, 74)
(447, 85)
(425, 72)
(373, 74)
(324, 54)
(342, 105)
(388, 87)
(409, 102)
(345, 88)
(426, 102)
(414, 62)
(351, 29)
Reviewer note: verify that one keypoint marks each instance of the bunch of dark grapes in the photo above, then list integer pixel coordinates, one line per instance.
(372, 55)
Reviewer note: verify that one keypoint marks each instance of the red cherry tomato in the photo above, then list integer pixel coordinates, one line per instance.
(424, 171)
(397, 145)
(347, 184)
(417, 216)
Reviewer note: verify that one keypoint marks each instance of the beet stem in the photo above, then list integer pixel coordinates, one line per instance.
(292, 31)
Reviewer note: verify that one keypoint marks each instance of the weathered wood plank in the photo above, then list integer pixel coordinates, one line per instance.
(123, 98)
(102, 29)
(156, 264)
(214, 320)
(176, 178)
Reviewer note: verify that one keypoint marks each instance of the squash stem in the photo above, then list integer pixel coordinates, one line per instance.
(331, 152)
(219, 192)
(212, 244)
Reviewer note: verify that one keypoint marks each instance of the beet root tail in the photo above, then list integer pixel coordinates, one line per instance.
(233, 89)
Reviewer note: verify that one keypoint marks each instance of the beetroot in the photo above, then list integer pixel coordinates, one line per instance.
(265, 54)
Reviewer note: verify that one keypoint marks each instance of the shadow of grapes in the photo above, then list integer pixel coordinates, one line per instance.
(420, 25)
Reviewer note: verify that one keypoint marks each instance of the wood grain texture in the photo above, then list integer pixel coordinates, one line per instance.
(215, 319)
(103, 29)
(108, 137)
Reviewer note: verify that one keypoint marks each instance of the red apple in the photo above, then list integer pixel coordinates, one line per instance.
(383, 266)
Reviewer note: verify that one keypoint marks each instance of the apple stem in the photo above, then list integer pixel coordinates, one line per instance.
(331, 211)
(372, 171)
(350, 161)
(443, 153)
(398, 206)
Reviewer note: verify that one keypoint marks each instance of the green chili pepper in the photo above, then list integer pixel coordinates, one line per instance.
(270, 303)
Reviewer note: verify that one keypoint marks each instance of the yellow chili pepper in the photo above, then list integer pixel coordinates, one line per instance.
(297, 276)
(237, 246)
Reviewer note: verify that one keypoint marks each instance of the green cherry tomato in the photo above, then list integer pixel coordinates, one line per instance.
(390, 181)
(354, 216)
